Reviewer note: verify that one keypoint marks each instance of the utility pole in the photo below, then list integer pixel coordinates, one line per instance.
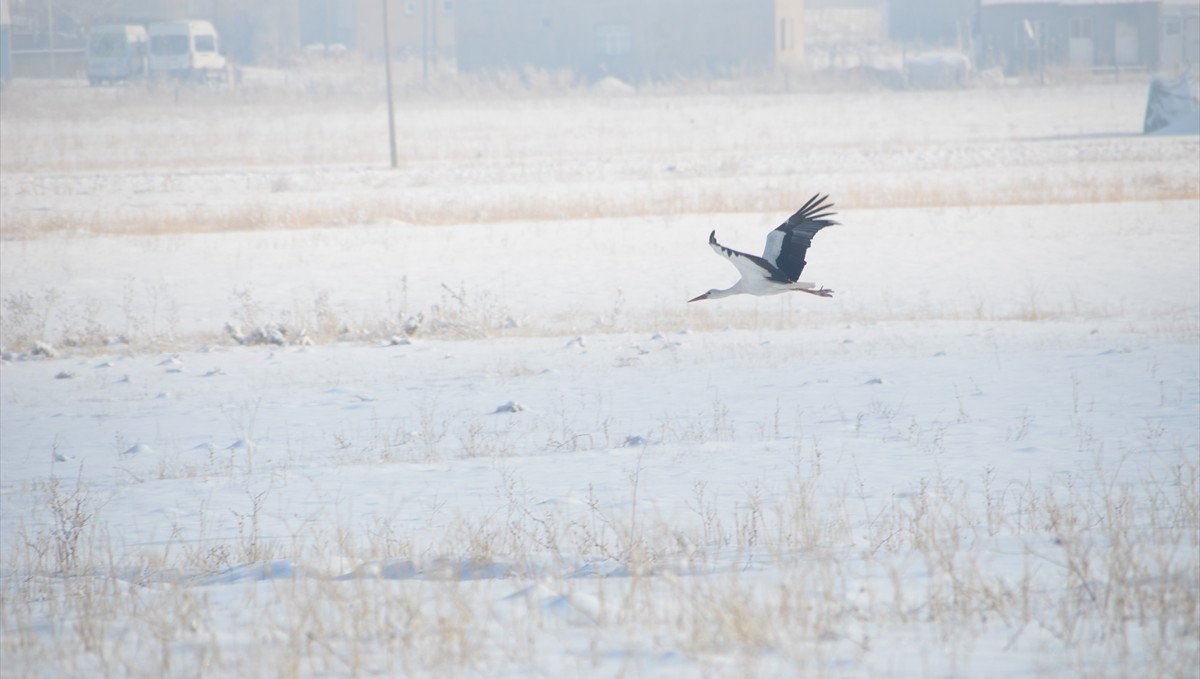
(433, 23)
(50, 27)
(425, 43)
(387, 67)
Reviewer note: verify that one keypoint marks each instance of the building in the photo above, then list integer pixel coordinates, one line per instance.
(1179, 40)
(417, 28)
(631, 39)
(932, 23)
(5, 42)
(1028, 35)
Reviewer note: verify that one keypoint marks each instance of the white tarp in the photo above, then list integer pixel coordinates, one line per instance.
(934, 70)
(1171, 107)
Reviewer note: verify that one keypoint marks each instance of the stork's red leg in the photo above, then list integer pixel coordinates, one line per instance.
(823, 292)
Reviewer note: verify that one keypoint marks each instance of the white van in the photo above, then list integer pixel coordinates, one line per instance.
(186, 50)
(116, 53)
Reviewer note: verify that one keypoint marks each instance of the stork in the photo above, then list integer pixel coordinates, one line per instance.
(778, 270)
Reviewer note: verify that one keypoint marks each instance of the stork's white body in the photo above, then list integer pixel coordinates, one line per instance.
(778, 270)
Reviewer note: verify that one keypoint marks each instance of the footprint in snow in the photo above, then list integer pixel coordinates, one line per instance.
(510, 407)
(138, 449)
(241, 444)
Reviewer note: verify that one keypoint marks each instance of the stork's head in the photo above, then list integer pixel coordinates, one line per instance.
(707, 295)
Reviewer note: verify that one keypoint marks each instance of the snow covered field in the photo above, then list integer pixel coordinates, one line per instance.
(272, 409)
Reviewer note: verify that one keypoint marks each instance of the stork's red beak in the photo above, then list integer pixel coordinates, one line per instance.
(697, 299)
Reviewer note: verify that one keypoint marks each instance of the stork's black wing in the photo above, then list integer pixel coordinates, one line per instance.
(788, 243)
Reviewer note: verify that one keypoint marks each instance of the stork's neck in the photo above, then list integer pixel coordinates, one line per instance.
(732, 290)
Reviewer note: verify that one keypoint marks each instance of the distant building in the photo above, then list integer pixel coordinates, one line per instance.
(934, 23)
(1025, 35)
(1179, 41)
(5, 42)
(417, 27)
(631, 39)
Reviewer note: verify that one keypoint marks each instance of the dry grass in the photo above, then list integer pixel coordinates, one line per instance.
(124, 161)
(460, 314)
(528, 203)
(804, 577)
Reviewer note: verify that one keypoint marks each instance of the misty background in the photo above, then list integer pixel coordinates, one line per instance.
(896, 43)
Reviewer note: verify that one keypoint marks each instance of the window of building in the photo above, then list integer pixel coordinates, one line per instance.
(614, 39)
(1081, 27)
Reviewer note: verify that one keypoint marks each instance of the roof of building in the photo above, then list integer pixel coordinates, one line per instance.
(1074, 3)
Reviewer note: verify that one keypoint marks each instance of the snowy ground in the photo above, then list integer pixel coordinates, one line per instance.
(491, 439)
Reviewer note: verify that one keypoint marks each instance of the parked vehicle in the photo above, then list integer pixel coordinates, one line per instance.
(186, 50)
(116, 53)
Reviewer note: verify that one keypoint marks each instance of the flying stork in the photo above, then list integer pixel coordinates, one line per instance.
(778, 270)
